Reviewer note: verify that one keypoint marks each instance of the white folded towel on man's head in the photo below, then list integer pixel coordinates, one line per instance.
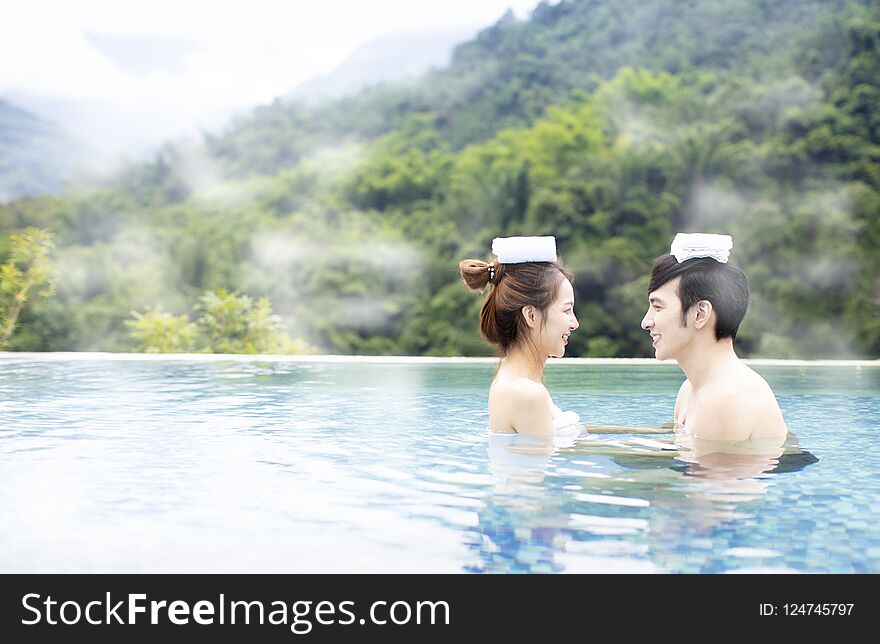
(687, 246)
(518, 250)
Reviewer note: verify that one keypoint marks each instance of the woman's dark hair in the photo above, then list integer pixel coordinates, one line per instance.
(724, 285)
(511, 287)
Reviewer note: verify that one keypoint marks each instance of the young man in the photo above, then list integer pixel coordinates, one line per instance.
(696, 303)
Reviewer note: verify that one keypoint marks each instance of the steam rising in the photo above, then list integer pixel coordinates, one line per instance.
(348, 281)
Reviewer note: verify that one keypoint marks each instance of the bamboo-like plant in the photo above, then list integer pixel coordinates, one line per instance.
(28, 273)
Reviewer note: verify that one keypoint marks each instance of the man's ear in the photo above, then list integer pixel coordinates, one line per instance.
(530, 315)
(702, 312)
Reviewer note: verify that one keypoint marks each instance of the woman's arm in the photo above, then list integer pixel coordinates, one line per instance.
(665, 428)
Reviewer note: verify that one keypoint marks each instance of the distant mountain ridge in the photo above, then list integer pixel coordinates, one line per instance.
(36, 155)
(390, 58)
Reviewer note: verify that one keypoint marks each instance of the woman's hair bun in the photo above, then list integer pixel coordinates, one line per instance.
(475, 273)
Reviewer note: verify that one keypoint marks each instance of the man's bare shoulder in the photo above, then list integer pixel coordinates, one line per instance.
(740, 408)
(746, 385)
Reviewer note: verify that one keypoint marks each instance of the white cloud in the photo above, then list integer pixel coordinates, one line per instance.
(237, 54)
(44, 52)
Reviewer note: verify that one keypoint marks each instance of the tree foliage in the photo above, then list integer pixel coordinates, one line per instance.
(28, 274)
(226, 323)
(611, 125)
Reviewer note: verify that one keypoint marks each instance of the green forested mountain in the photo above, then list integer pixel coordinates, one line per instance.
(610, 124)
(36, 156)
(510, 73)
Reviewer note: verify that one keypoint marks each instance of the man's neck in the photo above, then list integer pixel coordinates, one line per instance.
(704, 360)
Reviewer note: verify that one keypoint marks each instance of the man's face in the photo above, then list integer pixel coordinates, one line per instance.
(663, 321)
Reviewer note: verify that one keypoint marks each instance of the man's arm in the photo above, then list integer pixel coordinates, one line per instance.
(681, 401)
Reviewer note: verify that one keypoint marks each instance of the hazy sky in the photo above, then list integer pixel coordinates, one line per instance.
(164, 64)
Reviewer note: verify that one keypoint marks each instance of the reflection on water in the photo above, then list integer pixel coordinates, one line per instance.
(652, 505)
(307, 467)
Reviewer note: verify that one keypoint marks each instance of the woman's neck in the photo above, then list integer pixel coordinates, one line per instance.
(523, 362)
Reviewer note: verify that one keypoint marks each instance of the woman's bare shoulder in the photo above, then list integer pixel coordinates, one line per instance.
(518, 388)
(521, 405)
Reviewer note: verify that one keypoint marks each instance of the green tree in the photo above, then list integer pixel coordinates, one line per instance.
(29, 268)
(232, 323)
(229, 323)
(158, 331)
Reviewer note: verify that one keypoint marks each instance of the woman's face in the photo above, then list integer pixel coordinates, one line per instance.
(559, 322)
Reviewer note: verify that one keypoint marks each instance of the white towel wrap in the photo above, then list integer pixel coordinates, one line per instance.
(687, 246)
(518, 250)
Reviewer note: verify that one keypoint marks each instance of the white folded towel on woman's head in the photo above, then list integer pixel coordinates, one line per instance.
(518, 250)
(687, 246)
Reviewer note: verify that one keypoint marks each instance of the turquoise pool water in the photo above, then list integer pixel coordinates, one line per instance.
(248, 466)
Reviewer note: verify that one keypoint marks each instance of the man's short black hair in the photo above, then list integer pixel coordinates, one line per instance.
(724, 285)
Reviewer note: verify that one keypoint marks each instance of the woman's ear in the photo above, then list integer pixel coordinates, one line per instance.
(530, 316)
(703, 310)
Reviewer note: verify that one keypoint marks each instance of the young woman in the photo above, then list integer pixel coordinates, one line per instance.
(528, 315)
